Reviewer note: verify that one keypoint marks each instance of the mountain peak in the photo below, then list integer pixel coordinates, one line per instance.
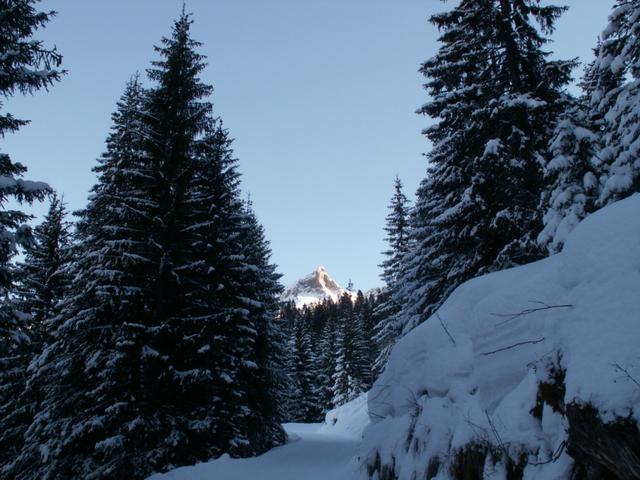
(313, 288)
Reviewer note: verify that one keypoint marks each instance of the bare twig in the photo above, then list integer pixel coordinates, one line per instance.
(477, 428)
(529, 311)
(529, 342)
(617, 366)
(496, 434)
(445, 329)
(556, 455)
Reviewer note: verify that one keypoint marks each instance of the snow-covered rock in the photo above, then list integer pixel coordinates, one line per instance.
(494, 376)
(314, 288)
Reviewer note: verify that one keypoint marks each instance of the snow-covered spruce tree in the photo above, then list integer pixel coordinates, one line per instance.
(397, 229)
(326, 358)
(96, 417)
(352, 372)
(41, 284)
(495, 96)
(158, 339)
(301, 361)
(570, 175)
(365, 347)
(225, 362)
(26, 66)
(617, 98)
(265, 376)
(287, 319)
(42, 281)
(42, 275)
(207, 306)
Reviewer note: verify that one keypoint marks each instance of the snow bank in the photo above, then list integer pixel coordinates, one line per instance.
(348, 420)
(471, 374)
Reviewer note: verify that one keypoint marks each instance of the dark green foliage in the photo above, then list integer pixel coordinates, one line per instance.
(495, 96)
(330, 354)
(26, 66)
(43, 281)
(387, 329)
(301, 369)
(164, 348)
(93, 376)
(43, 278)
(352, 374)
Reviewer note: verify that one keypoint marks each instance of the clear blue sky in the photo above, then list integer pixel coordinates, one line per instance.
(319, 94)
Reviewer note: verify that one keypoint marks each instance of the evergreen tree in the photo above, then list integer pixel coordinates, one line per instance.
(397, 229)
(287, 319)
(42, 282)
(26, 66)
(617, 99)
(326, 357)
(266, 379)
(94, 418)
(302, 377)
(164, 342)
(42, 275)
(363, 345)
(352, 371)
(496, 98)
(572, 186)
(230, 302)
(211, 311)
(215, 334)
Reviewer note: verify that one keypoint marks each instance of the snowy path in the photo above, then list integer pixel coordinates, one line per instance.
(311, 454)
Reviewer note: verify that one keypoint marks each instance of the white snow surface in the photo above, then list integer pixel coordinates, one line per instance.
(314, 451)
(348, 420)
(471, 372)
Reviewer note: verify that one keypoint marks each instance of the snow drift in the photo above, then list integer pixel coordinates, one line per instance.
(348, 420)
(520, 368)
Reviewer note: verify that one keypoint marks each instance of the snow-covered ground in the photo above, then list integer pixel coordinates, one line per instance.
(470, 374)
(318, 451)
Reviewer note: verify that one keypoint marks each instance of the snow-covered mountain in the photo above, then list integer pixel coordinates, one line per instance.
(313, 288)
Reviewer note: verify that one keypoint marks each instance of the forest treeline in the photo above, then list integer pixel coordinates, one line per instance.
(330, 353)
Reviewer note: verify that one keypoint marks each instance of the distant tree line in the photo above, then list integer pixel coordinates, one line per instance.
(330, 354)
